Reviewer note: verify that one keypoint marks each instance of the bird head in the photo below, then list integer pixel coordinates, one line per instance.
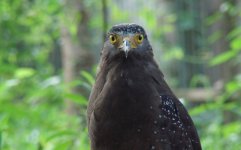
(126, 39)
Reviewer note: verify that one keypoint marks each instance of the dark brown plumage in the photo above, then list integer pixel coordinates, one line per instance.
(131, 107)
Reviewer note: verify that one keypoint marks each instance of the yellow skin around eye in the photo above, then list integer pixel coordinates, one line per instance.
(134, 40)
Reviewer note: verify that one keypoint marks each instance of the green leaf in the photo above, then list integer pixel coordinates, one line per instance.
(24, 73)
(3, 122)
(77, 98)
(236, 44)
(231, 128)
(215, 36)
(234, 33)
(224, 57)
(84, 140)
(233, 86)
(204, 108)
(213, 18)
(90, 79)
(174, 53)
(60, 134)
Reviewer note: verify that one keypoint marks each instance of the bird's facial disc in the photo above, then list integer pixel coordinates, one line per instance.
(126, 42)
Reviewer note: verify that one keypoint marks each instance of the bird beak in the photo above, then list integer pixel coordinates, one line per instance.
(126, 46)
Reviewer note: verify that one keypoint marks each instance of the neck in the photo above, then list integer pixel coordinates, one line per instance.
(132, 60)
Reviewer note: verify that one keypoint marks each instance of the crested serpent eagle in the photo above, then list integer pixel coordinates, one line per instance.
(131, 107)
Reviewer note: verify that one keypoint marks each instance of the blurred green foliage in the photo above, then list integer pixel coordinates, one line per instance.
(32, 93)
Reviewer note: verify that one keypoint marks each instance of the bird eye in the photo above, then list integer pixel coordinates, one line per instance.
(112, 39)
(139, 38)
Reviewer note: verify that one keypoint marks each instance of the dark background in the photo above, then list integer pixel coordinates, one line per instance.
(49, 50)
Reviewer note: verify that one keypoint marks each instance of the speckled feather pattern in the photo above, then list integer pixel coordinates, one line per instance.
(131, 107)
(128, 29)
